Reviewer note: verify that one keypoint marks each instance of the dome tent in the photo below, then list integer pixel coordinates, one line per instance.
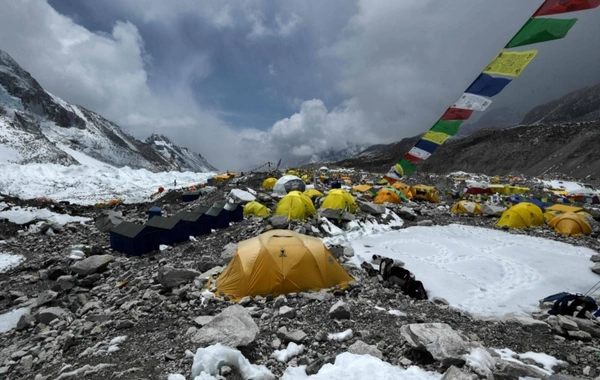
(269, 183)
(256, 209)
(570, 224)
(288, 183)
(339, 199)
(466, 207)
(296, 206)
(280, 262)
(521, 216)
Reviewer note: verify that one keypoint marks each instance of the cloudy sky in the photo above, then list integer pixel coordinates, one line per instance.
(248, 81)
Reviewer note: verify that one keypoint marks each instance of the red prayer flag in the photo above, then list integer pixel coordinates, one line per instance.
(552, 7)
(456, 114)
(410, 157)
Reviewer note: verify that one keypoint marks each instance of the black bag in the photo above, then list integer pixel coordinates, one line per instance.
(415, 289)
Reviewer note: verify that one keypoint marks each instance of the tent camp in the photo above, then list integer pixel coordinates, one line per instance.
(288, 183)
(339, 199)
(427, 193)
(296, 206)
(280, 262)
(521, 216)
(133, 239)
(256, 209)
(269, 183)
(169, 230)
(466, 207)
(387, 195)
(570, 224)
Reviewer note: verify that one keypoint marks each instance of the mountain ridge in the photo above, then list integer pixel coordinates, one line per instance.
(39, 127)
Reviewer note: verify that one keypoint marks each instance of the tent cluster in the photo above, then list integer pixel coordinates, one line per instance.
(138, 239)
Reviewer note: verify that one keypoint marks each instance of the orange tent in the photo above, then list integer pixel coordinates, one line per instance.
(385, 195)
(404, 188)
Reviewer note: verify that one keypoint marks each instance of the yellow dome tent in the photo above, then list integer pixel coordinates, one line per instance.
(361, 188)
(269, 183)
(558, 209)
(570, 224)
(293, 172)
(404, 188)
(466, 207)
(280, 262)
(256, 209)
(339, 199)
(305, 178)
(521, 216)
(295, 205)
(427, 193)
(386, 195)
(312, 193)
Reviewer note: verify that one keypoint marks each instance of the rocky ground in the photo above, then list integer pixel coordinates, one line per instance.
(114, 316)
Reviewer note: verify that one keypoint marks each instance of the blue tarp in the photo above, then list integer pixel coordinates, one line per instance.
(539, 203)
(487, 85)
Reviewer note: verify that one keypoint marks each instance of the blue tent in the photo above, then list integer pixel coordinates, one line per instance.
(169, 230)
(133, 239)
(154, 211)
(539, 203)
(221, 216)
(190, 196)
(199, 224)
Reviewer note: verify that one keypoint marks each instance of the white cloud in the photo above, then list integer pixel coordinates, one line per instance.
(272, 71)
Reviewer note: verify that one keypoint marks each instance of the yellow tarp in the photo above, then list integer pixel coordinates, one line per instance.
(339, 199)
(361, 188)
(256, 209)
(269, 183)
(570, 224)
(296, 206)
(521, 216)
(466, 207)
(428, 193)
(510, 63)
(313, 193)
(280, 262)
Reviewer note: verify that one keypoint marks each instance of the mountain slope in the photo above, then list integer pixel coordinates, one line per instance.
(332, 155)
(570, 148)
(36, 126)
(186, 159)
(580, 105)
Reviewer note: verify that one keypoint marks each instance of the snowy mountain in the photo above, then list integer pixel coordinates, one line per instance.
(38, 127)
(580, 105)
(333, 155)
(186, 159)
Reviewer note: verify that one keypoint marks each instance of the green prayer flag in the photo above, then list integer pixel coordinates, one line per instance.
(407, 167)
(541, 29)
(449, 127)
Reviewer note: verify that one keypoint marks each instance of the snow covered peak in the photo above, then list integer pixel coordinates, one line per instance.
(38, 127)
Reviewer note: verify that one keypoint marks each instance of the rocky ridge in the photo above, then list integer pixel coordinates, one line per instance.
(95, 313)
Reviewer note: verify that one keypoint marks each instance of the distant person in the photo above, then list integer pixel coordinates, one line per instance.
(175, 183)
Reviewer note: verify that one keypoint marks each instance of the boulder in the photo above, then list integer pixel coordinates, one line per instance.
(425, 223)
(335, 214)
(491, 210)
(233, 327)
(340, 310)
(279, 222)
(204, 277)
(506, 370)
(587, 325)
(372, 208)
(26, 320)
(567, 324)
(108, 220)
(596, 268)
(454, 373)
(66, 282)
(579, 335)
(45, 297)
(91, 265)
(287, 312)
(228, 252)
(528, 323)
(440, 340)
(170, 277)
(49, 314)
(406, 213)
(361, 348)
(296, 336)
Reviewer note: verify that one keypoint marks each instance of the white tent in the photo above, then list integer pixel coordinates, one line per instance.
(279, 187)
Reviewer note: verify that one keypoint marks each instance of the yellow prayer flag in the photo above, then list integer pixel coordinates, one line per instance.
(510, 63)
(436, 137)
